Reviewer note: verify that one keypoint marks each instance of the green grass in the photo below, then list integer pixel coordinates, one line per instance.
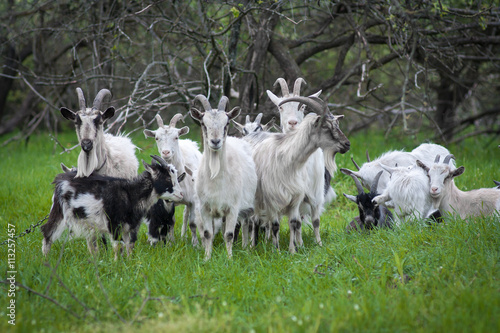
(352, 283)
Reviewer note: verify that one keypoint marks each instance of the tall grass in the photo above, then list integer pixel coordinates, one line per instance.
(415, 278)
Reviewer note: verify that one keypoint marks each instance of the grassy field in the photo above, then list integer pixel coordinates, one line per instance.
(415, 278)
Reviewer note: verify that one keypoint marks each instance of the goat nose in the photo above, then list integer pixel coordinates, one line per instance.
(434, 189)
(165, 152)
(215, 142)
(86, 145)
(292, 122)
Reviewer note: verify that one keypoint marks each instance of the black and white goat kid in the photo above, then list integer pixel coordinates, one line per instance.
(102, 204)
(370, 215)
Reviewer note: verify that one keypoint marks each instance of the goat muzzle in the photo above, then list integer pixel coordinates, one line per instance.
(87, 145)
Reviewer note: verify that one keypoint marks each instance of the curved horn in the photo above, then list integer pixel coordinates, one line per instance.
(315, 103)
(204, 102)
(296, 87)
(448, 158)
(159, 120)
(100, 97)
(355, 164)
(356, 180)
(367, 156)
(223, 103)
(159, 160)
(175, 119)
(81, 98)
(437, 159)
(373, 188)
(284, 87)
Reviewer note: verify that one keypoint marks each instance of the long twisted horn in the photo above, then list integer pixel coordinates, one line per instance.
(159, 120)
(81, 99)
(284, 87)
(296, 87)
(204, 102)
(100, 97)
(373, 188)
(448, 158)
(223, 103)
(356, 180)
(175, 119)
(314, 103)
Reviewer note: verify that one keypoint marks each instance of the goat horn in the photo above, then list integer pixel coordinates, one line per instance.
(223, 103)
(437, 159)
(367, 156)
(100, 97)
(175, 119)
(373, 188)
(247, 119)
(356, 180)
(296, 87)
(159, 120)
(204, 102)
(160, 160)
(448, 158)
(259, 118)
(355, 164)
(284, 87)
(314, 103)
(81, 99)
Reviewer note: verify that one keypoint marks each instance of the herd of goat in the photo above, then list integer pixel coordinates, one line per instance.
(248, 182)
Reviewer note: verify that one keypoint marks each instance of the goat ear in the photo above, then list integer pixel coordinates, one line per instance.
(68, 114)
(181, 177)
(188, 170)
(269, 124)
(196, 114)
(233, 113)
(457, 172)
(239, 126)
(275, 99)
(351, 197)
(147, 167)
(110, 112)
(184, 130)
(149, 133)
(423, 166)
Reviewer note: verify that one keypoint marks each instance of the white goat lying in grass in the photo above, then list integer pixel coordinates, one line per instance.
(450, 199)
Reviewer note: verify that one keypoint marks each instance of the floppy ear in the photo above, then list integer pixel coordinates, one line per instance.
(149, 133)
(68, 114)
(457, 172)
(110, 112)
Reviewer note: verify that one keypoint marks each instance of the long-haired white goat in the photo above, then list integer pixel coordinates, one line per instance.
(102, 153)
(281, 161)
(226, 179)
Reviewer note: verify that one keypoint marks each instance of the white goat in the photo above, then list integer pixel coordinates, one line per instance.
(101, 153)
(369, 170)
(185, 156)
(281, 161)
(253, 126)
(408, 188)
(449, 199)
(292, 114)
(226, 179)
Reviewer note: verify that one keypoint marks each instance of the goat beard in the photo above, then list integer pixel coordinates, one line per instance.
(87, 163)
(330, 164)
(213, 163)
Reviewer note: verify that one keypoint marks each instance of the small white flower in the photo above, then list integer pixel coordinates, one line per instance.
(294, 318)
(321, 306)
(160, 315)
(356, 307)
(224, 303)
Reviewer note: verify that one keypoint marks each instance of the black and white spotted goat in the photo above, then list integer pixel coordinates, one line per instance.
(107, 205)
